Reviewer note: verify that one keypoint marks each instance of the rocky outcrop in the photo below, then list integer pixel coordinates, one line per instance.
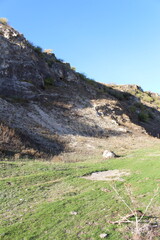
(25, 69)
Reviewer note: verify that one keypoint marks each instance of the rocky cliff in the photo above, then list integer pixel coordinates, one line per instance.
(46, 106)
(24, 69)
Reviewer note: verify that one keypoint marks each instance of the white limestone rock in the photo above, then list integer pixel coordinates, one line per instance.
(108, 154)
(103, 235)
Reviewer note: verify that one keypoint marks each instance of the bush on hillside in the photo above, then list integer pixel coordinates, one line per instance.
(147, 98)
(132, 109)
(38, 50)
(139, 105)
(73, 68)
(49, 81)
(117, 94)
(60, 60)
(4, 21)
(50, 62)
(143, 116)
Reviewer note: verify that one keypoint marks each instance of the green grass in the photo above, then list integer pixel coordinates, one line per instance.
(37, 197)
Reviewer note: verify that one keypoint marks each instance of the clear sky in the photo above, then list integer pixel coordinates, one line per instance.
(111, 41)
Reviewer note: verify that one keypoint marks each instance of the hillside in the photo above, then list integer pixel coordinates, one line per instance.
(48, 108)
(55, 124)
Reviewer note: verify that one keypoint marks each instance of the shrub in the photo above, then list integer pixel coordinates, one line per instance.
(73, 68)
(139, 105)
(4, 21)
(50, 62)
(88, 80)
(151, 115)
(91, 81)
(143, 116)
(48, 81)
(141, 229)
(132, 109)
(117, 94)
(38, 50)
(147, 98)
(82, 76)
(60, 60)
(68, 65)
(157, 102)
(30, 44)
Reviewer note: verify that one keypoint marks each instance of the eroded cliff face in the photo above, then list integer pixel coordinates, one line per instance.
(47, 108)
(18, 67)
(23, 69)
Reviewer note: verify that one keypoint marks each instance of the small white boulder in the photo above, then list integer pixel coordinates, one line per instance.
(108, 154)
(73, 213)
(103, 235)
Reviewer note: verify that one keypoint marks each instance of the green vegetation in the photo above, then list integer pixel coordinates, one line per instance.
(139, 105)
(118, 94)
(132, 109)
(82, 76)
(49, 200)
(38, 50)
(50, 62)
(88, 80)
(59, 60)
(147, 97)
(144, 96)
(157, 102)
(143, 116)
(73, 68)
(48, 81)
(144, 113)
(91, 81)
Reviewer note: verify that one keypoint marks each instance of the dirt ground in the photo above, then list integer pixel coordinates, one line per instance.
(110, 175)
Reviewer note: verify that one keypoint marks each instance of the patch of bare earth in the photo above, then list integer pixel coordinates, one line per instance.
(111, 175)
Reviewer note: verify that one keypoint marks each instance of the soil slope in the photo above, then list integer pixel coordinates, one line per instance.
(47, 108)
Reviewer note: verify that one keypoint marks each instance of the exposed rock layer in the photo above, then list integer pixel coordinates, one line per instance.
(47, 104)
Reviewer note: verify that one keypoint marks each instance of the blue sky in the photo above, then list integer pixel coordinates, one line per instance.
(111, 41)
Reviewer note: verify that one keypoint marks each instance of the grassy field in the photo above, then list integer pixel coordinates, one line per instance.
(49, 200)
